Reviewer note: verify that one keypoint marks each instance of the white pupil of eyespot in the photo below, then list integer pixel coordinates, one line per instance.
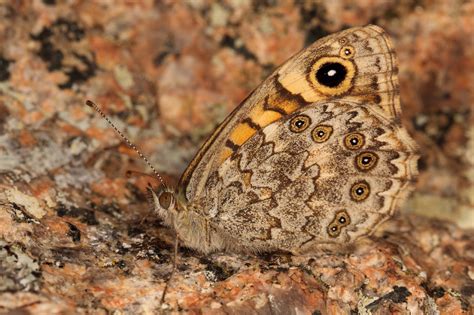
(332, 73)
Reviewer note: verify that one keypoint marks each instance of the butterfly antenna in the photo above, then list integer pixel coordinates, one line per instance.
(128, 142)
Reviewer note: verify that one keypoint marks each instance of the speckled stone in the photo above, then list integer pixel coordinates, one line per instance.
(77, 235)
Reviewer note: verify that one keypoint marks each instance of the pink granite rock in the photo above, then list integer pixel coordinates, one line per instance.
(77, 235)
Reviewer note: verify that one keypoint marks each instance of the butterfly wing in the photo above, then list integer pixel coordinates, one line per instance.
(356, 64)
(326, 174)
(363, 67)
(315, 155)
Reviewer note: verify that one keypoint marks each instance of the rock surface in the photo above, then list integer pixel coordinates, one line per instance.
(77, 236)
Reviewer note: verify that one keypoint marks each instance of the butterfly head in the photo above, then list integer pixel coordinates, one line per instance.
(163, 202)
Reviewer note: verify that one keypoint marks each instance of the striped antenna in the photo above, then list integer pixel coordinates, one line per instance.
(128, 142)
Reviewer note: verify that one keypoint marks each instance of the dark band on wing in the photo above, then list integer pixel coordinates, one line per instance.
(231, 145)
(251, 124)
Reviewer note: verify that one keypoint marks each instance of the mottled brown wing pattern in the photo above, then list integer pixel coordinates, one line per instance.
(316, 155)
(303, 181)
(362, 54)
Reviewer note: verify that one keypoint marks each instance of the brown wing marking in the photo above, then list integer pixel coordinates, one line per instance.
(270, 109)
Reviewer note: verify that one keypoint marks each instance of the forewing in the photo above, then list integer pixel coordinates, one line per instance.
(368, 66)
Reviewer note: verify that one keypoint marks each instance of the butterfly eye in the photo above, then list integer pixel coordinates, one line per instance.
(165, 199)
(366, 161)
(341, 219)
(334, 230)
(343, 41)
(354, 141)
(321, 133)
(360, 191)
(331, 74)
(300, 123)
(347, 52)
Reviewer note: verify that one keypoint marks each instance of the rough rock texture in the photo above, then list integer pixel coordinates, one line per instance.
(76, 234)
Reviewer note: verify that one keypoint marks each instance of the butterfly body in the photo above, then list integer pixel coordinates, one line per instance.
(315, 157)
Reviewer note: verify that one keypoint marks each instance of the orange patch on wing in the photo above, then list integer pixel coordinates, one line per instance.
(263, 117)
(246, 176)
(263, 114)
(241, 134)
(288, 106)
(225, 154)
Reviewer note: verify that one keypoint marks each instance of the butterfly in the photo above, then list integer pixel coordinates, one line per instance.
(315, 157)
